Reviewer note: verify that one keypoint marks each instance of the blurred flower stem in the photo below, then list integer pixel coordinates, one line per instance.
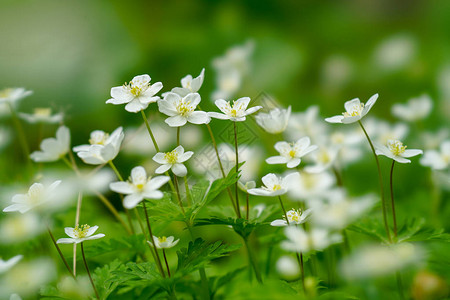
(380, 179)
(252, 260)
(165, 259)
(88, 272)
(238, 211)
(157, 259)
(77, 221)
(394, 218)
(149, 130)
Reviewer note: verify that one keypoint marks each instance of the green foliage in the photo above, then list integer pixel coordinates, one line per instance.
(415, 230)
(129, 246)
(105, 279)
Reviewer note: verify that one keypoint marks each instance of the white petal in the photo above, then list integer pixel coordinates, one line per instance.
(154, 89)
(91, 230)
(242, 102)
(222, 105)
(335, 119)
(293, 162)
(278, 223)
(252, 110)
(276, 160)
(349, 120)
(176, 121)
(270, 180)
(156, 182)
(218, 116)
(411, 152)
(70, 232)
(160, 158)
(172, 98)
(369, 105)
(282, 147)
(94, 237)
(122, 187)
(193, 98)
(153, 195)
(163, 168)
(185, 156)
(349, 104)
(138, 173)
(132, 200)
(199, 117)
(120, 95)
(401, 160)
(259, 192)
(135, 106)
(179, 170)
(167, 108)
(65, 241)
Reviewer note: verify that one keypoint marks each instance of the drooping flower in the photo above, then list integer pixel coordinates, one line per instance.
(236, 112)
(37, 195)
(182, 110)
(139, 187)
(291, 153)
(274, 185)
(163, 242)
(396, 151)
(354, 111)
(52, 149)
(295, 217)
(415, 109)
(275, 121)
(5, 265)
(138, 94)
(42, 115)
(437, 160)
(189, 84)
(173, 160)
(80, 234)
(301, 241)
(103, 147)
(13, 95)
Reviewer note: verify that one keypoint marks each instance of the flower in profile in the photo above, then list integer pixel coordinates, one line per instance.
(295, 217)
(246, 186)
(354, 111)
(52, 149)
(103, 147)
(189, 84)
(437, 160)
(396, 151)
(12, 95)
(163, 242)
(182, 109)
(138, 94)
(316, 239)
(415, 109)
(80, 234)
(139, 187)
(236, 112)
(275, 121)
(37, 195)
(42, 115)
(173, 160)
(274, 185)
(291, 153)
(5, 265)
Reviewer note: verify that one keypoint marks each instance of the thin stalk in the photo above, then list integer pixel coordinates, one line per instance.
(247, 207)
(77, 221)
(202, 272)
(268, 259)
(252, 261)
(155, 144)
(346, 241)
(158, 260)
(394, 218)
(380, 179)
(338, 176)
(165, 259)
(188, 193)
(400, 285)
(59, 252)
(89, 273)
(21, 133)
(284, 210)
(238, 210)
(178, 135)
(175, 181)
(111, 164)
(302, 270)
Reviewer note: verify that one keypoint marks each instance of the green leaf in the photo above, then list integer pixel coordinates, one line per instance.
(130, 245)
(241, 226)
(371, 227)
(414, 230)
(217, 282)
(105, 279)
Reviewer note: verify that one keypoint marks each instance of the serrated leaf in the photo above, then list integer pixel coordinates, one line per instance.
(414, 230)
(105, 279)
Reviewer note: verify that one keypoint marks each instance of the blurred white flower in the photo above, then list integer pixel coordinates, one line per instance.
(52, 149)
(336, 71)
(295, 217)
(275, 121)
(380, 260)
(139, 187)
(437, 160)
(173, 160)
(395, 52)
(189, 84)
(182, 110)
(381, 131)
(415, 109)
(103, 147)
(42, 115)
(138, 94)
(311, 185)
(308, 123)
(316, 239)
(37, 195)
(5, 265)
(348, 144)
(397, 151)
(432, 140)
(323, 159)
(274, 185)
(288, 267)
(235, 113)
(291, 153)
(163, 242)
(13, 95)
(15, 297)
(80, 234)
(17, 228)
(355, 111)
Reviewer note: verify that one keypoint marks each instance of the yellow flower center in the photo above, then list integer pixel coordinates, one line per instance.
(184, 108)
(354, 111)
(292, 153)
(276, 187)
(98, 137)
(81, 231)
(162, 239)
(323, 157)
(140, 186)
(42, 112)
(171, 157)
(5, 93)
(136, 88)
(396, 147)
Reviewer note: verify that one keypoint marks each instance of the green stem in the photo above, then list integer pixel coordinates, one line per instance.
(20, 132)
(252, 261)
(302, 268)
(77, 221)
(247, 206)
(89, 273)
(59, 252)
(188, 193)
(346, 241)
(380, 179)
(394, 218)
(400, 285)
(165, 259)
(284, 210)
(149, 131)
(238, 210)
(158, 260)
(175, 181)
(111, 164)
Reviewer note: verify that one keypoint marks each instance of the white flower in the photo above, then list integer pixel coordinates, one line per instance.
(173, 160)
(274, 185)
(355, 111)
(138, 94)
(103, 147)
(395, 52)
(189, 84)
(437, 160)
(288, 267)
(5, 265)
(415, 109)
(311, 185)
(52, 149)
(396, 151)
(80, 234)
(323, 159)
(301, 241)
(182, 110)
(275, 121)
(308, 123)
(12, 95)
(37, 195)
(235, 113)
(164, 242)
(139, 187)
(290, 153)
(348, 143)
(18, 228)
(295, 217)
(42, 115)
(381, 131)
